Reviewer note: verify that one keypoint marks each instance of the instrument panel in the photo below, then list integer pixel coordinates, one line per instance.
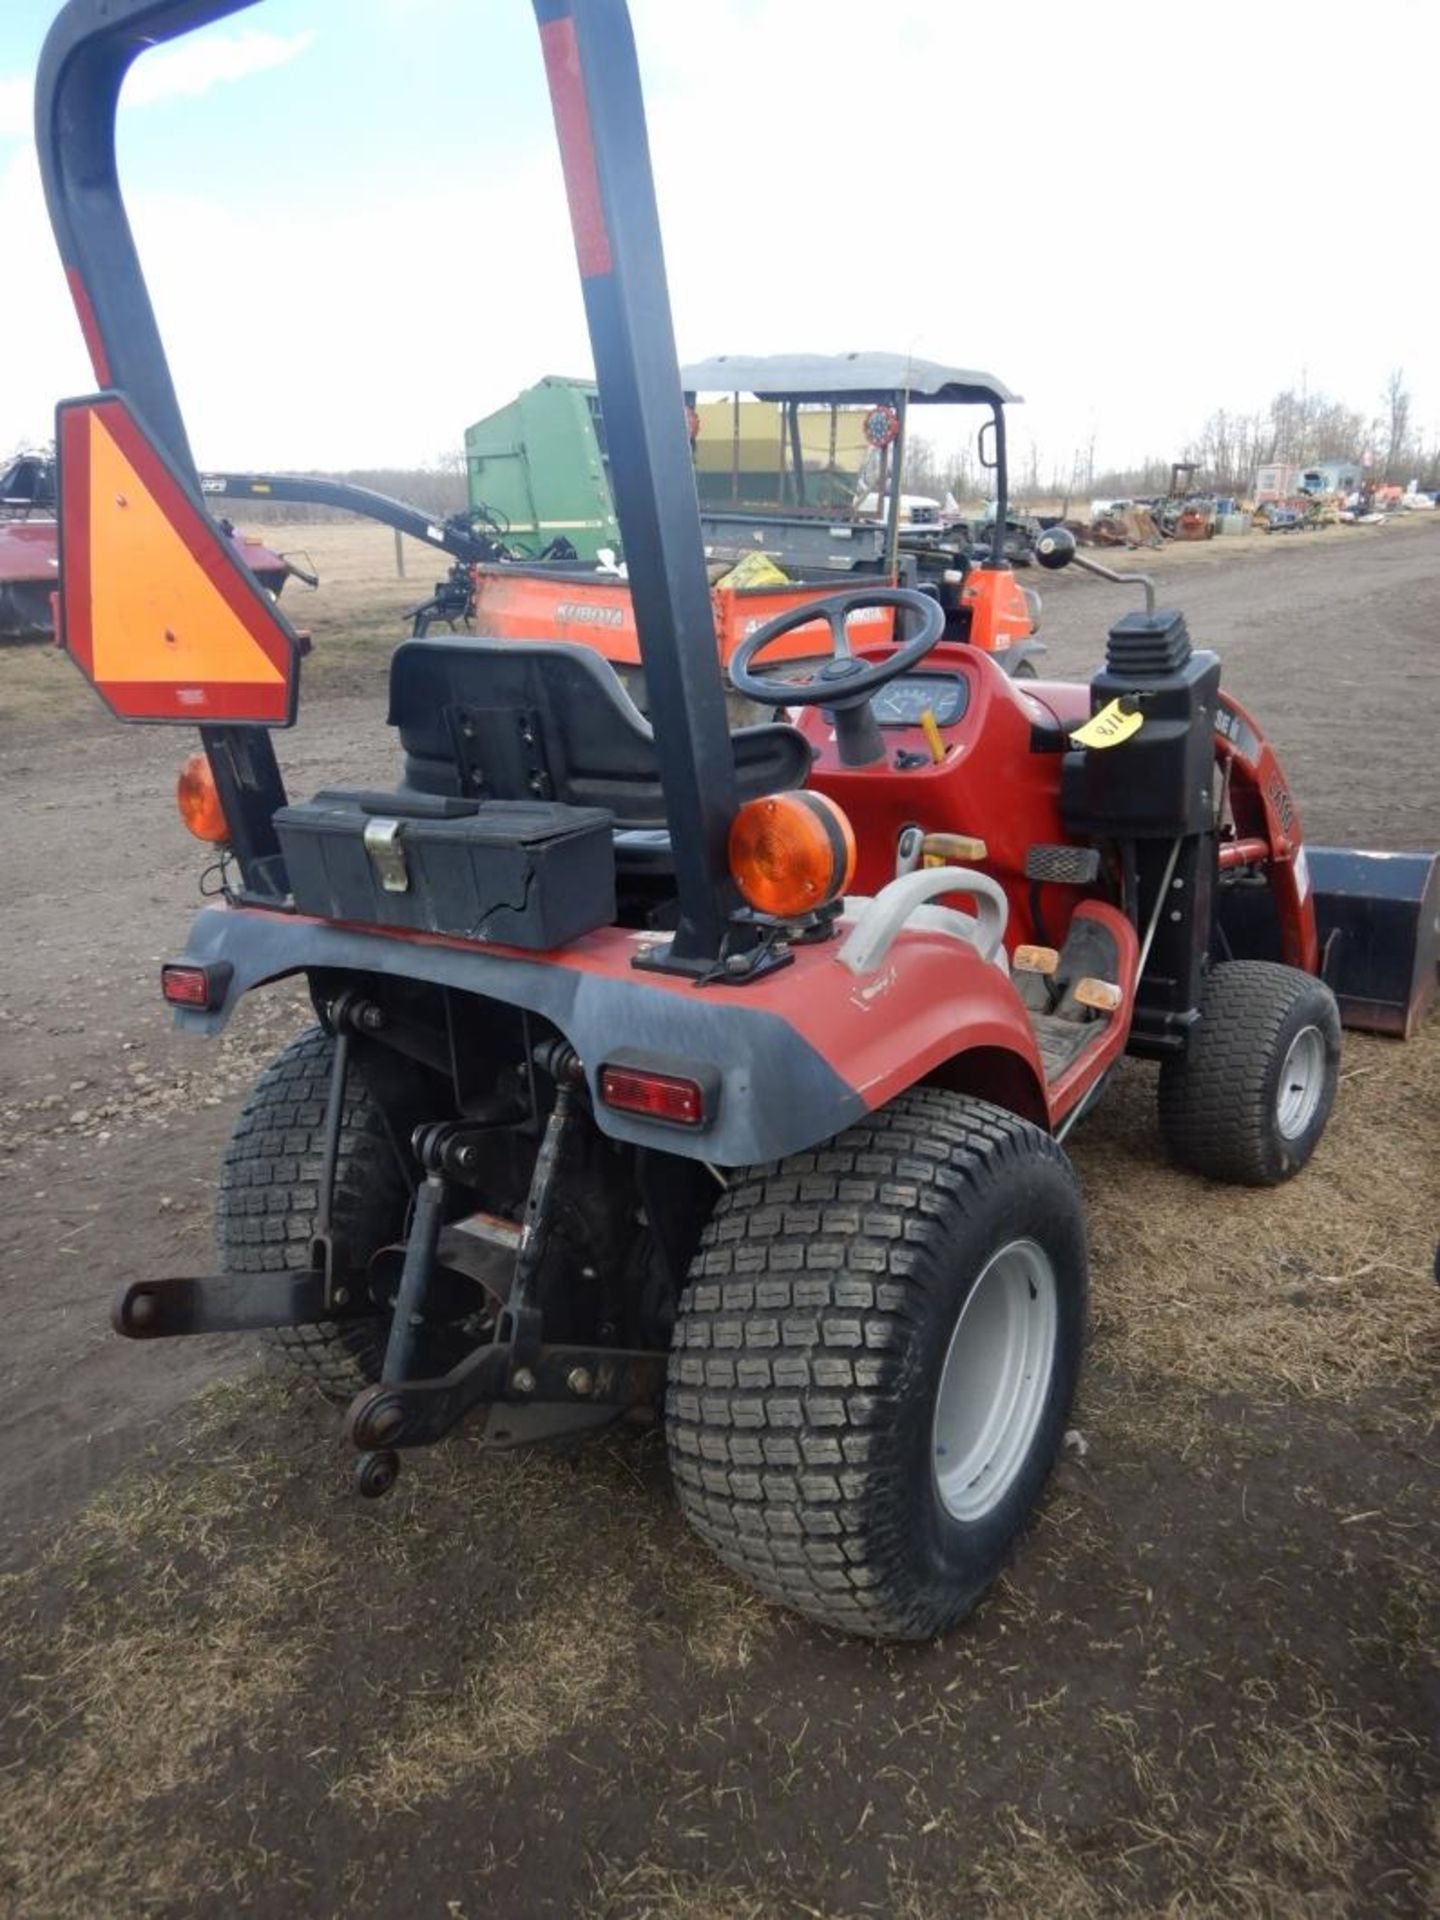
(905, 701)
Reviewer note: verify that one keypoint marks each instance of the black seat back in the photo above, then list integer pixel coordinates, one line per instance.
(546, 720)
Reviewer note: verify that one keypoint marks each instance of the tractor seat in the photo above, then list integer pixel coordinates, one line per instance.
(546, 720)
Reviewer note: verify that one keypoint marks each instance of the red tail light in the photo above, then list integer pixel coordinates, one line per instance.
(184, 985)
(658, 1096)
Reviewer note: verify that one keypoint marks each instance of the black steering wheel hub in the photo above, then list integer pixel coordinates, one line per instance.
(834, 671)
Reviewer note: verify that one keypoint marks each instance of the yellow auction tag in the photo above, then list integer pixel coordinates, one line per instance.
(1108, 728)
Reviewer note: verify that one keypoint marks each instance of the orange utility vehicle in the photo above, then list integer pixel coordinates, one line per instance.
(821, 548)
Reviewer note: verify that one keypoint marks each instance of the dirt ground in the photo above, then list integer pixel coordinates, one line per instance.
(518, 1687)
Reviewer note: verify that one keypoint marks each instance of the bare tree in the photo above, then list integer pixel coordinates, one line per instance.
(1298, 426)
(1396, 423)
(927, 473)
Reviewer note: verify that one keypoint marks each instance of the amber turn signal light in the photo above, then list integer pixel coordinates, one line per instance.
(199, 801)
(791, 853)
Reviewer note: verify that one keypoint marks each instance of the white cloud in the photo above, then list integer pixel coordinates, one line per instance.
(17, 99)
(1035, 222)
(183, 71)
(364, 336)
(193, 67)
(42, 355)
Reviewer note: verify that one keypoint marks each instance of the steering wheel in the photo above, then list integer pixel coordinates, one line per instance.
(844, 683)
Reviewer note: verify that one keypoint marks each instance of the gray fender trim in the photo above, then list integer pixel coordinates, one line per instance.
(778, 1095)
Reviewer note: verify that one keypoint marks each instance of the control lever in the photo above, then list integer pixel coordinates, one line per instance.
(915, 849)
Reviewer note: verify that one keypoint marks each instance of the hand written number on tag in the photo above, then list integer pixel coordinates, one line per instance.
(1111, 727)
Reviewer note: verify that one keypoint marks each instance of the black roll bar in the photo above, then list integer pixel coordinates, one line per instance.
(595, 90)
(89, 49)
(600, 121)
(1002, 489)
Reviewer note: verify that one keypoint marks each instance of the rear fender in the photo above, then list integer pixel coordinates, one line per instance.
(799, 1055)
(926, 1010)
(999, 1075)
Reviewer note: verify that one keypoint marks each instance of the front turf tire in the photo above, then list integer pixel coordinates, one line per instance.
(265, 1215)
(812, 1341)
(1248, 1100)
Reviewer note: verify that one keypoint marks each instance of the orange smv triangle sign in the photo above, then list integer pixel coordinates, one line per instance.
(157, 609)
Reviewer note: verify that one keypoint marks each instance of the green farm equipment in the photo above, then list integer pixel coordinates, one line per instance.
(540, 467)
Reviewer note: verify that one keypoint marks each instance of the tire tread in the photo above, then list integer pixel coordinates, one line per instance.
(792, 1347)
(269, 1194)
(1215, 1115)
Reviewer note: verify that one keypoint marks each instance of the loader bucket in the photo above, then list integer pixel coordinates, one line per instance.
(1378, 918)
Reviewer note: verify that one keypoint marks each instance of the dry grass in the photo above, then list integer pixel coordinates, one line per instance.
(1292, 1834)
(535, 1633)
(39, 686)
(534, 1682)
(650, 1891)
(1321, 1286)
(357, 614)
(599, 1576)
(147, 1652)
(1314, 1792)
(177, 1622)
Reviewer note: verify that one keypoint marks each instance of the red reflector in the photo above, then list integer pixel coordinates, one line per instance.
(660, 1096)
(186, 986)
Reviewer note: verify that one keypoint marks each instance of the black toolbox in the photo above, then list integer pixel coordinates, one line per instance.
(523, 873)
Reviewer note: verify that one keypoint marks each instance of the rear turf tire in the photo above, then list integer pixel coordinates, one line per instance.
(1248, 1100)
(270, 1189)
(815, 1338)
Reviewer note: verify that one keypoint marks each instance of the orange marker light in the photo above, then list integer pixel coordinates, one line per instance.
(791, 852)
(198, 800)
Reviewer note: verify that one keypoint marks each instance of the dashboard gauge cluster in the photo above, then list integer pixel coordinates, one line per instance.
(905, 701)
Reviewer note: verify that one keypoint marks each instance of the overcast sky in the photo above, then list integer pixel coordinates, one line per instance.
(352, 218)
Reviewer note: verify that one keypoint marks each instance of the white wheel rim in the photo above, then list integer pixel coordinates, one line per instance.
(995, 1380)
(1302, 1081)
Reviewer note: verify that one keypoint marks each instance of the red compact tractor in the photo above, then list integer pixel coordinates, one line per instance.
(663, 1069)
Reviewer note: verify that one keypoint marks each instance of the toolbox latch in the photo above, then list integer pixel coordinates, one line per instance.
(387, 855)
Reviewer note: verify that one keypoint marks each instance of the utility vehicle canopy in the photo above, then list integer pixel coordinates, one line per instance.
(845, 379)
(889, 382)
